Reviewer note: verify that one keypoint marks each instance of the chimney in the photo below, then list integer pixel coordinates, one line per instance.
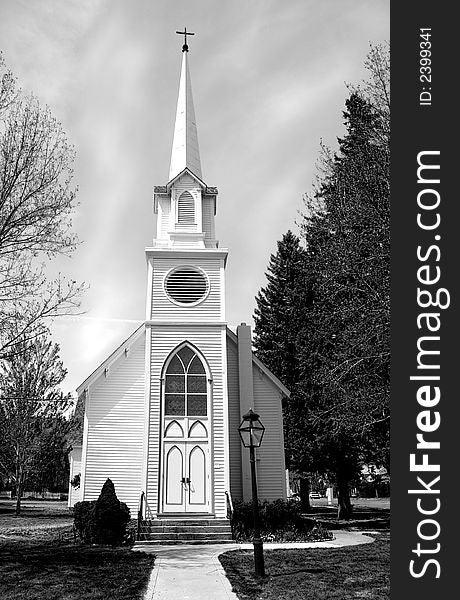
(246, 390)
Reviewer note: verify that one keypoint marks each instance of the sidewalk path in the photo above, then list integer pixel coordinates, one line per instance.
(193, 572)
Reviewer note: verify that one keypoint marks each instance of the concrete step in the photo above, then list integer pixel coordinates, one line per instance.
(177, 542)
(169, 536)
(184, 529)
(204, 522)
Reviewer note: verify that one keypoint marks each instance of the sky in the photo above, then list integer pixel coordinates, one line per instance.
(269, 83)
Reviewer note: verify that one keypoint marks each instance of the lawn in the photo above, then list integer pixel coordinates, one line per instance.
(314, 574)
(39, 560)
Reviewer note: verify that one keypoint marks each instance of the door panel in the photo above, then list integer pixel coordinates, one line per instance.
(197, 475)
(173, 475)
(174, 430)
(198, 430)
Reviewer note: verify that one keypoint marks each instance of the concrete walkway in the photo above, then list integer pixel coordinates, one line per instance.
(193, 572)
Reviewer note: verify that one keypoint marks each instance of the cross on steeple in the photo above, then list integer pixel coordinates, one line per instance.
(185, 33)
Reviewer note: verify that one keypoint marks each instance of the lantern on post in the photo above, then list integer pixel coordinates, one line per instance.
(251, 433)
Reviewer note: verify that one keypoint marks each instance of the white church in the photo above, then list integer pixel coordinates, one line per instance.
(162, 411)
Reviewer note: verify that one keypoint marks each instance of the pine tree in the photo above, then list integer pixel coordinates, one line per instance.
(279, 317)
(279, 313)
(322, 322)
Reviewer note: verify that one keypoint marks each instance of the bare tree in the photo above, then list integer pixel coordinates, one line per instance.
(37, 201)
(29, 397)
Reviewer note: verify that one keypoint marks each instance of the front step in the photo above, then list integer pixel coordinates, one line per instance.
(185, 531)
(178, 542)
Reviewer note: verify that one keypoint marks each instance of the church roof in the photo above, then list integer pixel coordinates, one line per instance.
(140, 331)
(185, 151)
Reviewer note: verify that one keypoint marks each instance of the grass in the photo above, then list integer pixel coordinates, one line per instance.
(367, 514)
(346, 573)
(39, 560)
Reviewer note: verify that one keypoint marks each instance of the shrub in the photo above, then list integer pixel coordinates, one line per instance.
(280, 520)
(102, 521)
(84, 520)
(111, 516)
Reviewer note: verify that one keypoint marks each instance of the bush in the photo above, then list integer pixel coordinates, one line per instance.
(280, 521)
(84, 522)
(102, 521)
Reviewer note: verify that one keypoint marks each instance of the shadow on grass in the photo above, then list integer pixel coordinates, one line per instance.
(60, 570)
(363, 517)
(314, 574)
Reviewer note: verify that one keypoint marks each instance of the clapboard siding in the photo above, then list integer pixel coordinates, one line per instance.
(164, 309)
(271, 477)
(75, 469)
(209, 342)
(234, 419)
(208, 220)
(186, 183)
(164, 221)
(115, 417)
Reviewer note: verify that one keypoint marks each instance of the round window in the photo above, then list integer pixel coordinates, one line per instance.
(186, 285)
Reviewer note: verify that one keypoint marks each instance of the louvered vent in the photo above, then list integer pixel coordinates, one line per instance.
(186, 209)
(186, 285)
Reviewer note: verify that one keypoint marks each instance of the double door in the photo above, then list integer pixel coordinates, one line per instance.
(186, 466)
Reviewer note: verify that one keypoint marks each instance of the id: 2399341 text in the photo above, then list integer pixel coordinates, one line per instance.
(425, 66)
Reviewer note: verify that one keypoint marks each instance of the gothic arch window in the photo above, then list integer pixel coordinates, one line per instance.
(186, 385)
(186, 209)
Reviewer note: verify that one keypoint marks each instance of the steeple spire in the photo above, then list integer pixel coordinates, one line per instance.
(185, 150)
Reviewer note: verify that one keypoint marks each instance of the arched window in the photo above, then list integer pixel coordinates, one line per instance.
(186, 209)
(186, 385)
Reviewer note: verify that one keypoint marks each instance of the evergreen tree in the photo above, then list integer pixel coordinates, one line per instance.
(278, 315)
(323, 326)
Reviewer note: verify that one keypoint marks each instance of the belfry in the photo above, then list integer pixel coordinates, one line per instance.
(162, 412)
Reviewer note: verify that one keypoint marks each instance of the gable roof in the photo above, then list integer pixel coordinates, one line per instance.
(283, 389)
(111, 358)
(185, 171)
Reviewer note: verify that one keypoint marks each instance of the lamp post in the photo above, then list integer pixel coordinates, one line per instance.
(251, 433)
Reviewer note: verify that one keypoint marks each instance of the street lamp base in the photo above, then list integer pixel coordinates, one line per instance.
(259, 557)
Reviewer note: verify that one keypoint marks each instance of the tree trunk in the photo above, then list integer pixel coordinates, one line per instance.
(19, 481)
(18, 499)
(304, 494)
(345, 508)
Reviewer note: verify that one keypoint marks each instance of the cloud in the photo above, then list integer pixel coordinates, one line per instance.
(268, 81)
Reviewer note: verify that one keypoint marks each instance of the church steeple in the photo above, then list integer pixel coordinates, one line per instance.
(185, 150)
(186, 205)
